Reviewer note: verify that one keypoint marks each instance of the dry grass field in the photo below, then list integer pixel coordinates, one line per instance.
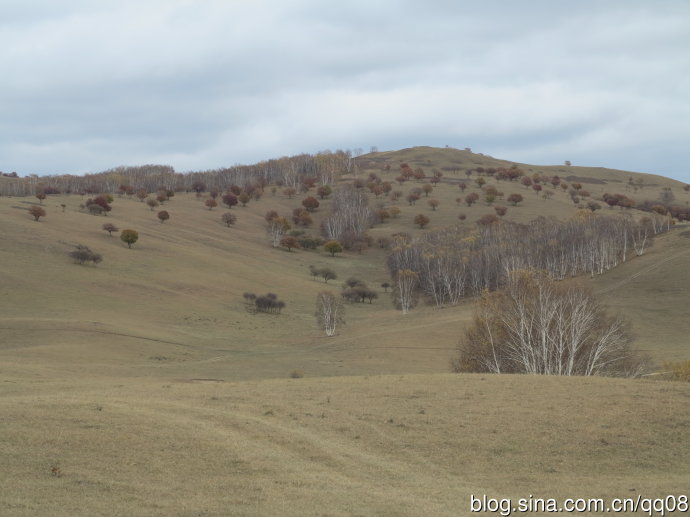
(380, 445)
(142, 386)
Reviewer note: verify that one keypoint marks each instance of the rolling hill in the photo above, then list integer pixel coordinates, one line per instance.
(149, 387)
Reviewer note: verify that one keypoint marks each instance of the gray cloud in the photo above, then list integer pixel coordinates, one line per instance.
(197, 85)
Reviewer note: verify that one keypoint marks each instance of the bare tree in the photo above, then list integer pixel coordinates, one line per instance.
(350, 213)
(537, 326)
(276, 229)
(228, 218)
(329, 312)
(327, 274)
(404, 289)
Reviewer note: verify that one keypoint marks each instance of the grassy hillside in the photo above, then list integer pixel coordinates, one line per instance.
(450, 159)
(176, 296)
(148, 386)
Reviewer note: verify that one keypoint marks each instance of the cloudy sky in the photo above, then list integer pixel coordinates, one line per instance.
(199, 84)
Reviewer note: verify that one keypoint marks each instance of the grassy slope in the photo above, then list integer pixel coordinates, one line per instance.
(136, 336)
(390, 445)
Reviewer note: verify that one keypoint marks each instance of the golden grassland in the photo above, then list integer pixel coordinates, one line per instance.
(141, 386)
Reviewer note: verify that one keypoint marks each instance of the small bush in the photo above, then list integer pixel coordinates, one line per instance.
(37, 212)
(310, 242)
(83, 254)
(229, 219)
(267, 303)
(95, 209)
(324, 272)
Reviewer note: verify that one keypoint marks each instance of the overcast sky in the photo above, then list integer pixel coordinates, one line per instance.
(200, 84)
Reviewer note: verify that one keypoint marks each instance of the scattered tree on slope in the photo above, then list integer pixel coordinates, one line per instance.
(329, 312)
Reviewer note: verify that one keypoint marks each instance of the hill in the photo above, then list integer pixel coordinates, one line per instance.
(145, 379)
(454, 161)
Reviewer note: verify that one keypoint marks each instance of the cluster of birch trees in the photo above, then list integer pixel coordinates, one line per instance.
(289, 171)
(350, 214)
(457, 262)
(538, 326)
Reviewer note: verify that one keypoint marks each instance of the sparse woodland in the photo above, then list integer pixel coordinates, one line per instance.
(336, 205)
(266, 355)
(457, 262)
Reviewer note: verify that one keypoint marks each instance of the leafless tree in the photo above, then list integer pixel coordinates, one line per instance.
(537, 326)
(329, 312)
(228, 218)
(350, 213)
(405, 285)
(276, 229)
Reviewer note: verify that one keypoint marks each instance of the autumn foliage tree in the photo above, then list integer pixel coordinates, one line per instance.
(289, 242)
(129, 237)
(244, 198)
(323, 191)
(37, 212)
(310, 203)
(110, 228)
(333, 247)
(101, 201)
(421, 220)
(471, 198)
(229, 200)
(301, 217)
(163, 215)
